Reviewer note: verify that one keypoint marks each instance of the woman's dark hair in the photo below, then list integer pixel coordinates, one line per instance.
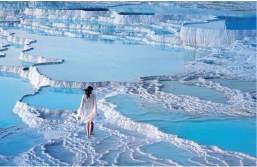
(88, 91)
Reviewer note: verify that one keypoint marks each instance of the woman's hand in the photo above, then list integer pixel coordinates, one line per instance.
(79, 114)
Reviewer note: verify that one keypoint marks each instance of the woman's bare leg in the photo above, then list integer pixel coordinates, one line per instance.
(91, 127)
(88, 129)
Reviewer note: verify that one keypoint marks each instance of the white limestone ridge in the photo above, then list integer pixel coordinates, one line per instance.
(39, 59)
(13, 39)
(120, 23)
(10, 13)
(201, 37)
(65, 14)
(34, 117)
(38, 80)
(237, 62)
(152, 93)
(4, 33)
(26, 42)
(19, 40)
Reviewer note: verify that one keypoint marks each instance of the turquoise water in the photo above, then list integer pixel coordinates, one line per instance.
(16, 137)
(99, 60)
(236, 23)
(167, 151)
(228, 133)
(227, 23)
(59, 152)
(11, 90)
(21, 141)
(204, 93)
(217, 24)
(11, 57)
(244, 86)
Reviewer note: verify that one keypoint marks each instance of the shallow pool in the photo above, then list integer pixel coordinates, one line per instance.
(204, 93)
(11, 90)
(15, 136)
(168, 151)
(106, 60)
(245, 86)
(226, 132)
(19, 139)
(12, 56)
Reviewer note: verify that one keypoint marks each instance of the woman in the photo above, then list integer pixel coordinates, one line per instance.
(89, 114)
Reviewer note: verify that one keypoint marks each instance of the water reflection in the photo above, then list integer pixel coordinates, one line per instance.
(10, 74)
(96, 40)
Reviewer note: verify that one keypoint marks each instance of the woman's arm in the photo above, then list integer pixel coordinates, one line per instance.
(81, 107)
(95, 105)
